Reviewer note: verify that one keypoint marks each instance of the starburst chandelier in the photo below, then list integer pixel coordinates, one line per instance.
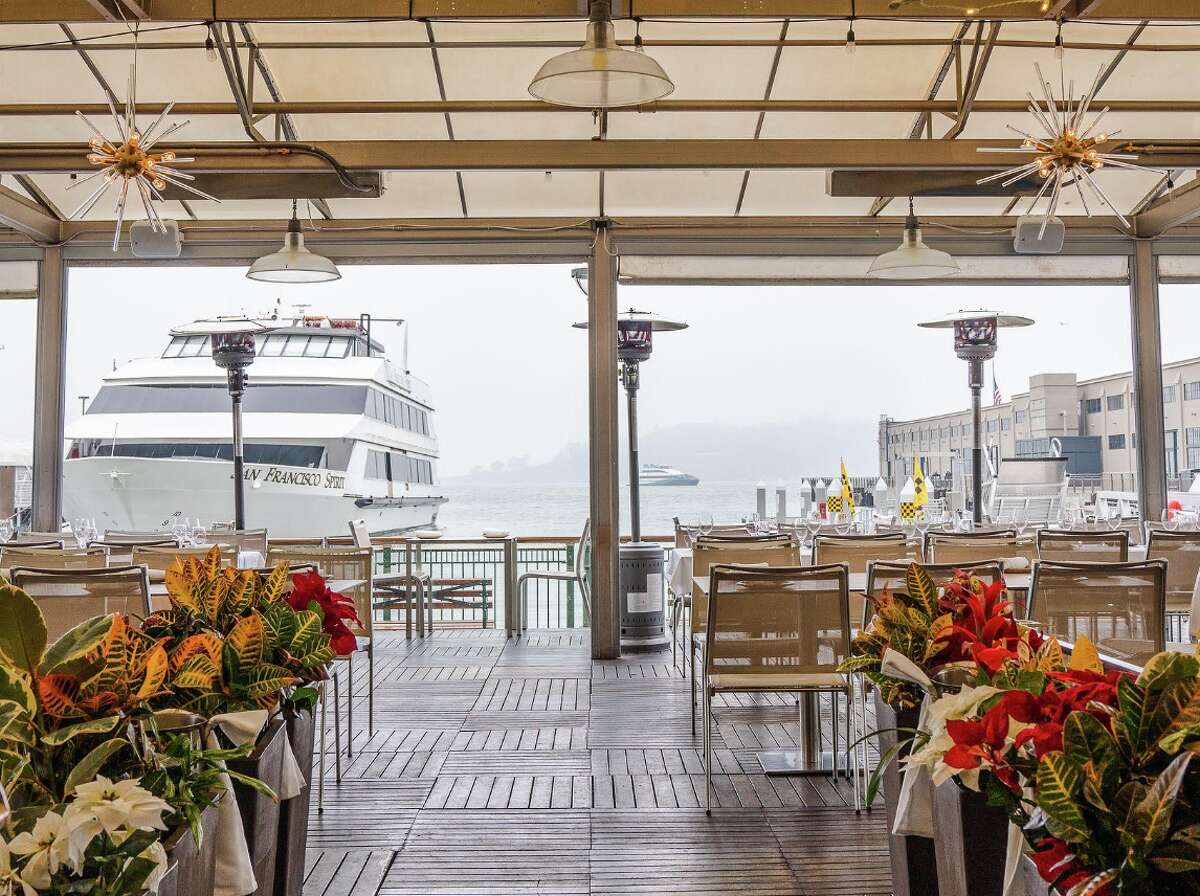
(1068, 151)
(128, 160)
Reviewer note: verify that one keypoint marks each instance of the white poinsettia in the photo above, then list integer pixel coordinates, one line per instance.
(11, 882)
(45, 849)
(117, 804)
(963, 705)
(158, 855)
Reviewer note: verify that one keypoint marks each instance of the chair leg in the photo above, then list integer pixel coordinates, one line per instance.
(833, 726)
(707, 751)
(371, 688)
(321, 762)
(350, 706)
(674, 623)
(692, 664)
(337, 730)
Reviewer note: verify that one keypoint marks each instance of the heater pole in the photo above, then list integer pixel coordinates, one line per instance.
(237, 387)
(629, 376)
(975, 377)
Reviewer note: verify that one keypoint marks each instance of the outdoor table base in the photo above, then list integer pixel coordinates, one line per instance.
(809, 759)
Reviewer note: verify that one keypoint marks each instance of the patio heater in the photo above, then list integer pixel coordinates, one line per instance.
(233, 352)
(643, 619)
(975, 342)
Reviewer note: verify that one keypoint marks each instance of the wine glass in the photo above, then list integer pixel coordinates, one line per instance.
(79, 530)
(6, 529)
(921, 522)
(90, 528)
(813, 524)
(199, 533)
(706, 523)
(1021, 521)
(1170, 520)
(843, 522)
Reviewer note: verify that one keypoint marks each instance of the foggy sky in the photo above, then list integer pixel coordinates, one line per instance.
(509, 374)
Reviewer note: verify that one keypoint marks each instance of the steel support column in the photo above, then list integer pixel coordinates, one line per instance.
(602, 445)
(1147, 382)
(49, 392)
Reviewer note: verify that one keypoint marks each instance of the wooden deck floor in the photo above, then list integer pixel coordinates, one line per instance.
(526, 768)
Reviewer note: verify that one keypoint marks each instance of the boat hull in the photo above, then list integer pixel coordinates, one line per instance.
(290, 502)
(683, 479)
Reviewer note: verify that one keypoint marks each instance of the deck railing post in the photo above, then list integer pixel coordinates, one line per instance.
(602, 443)
(570, 550)
(49, 392)
(1151, 450)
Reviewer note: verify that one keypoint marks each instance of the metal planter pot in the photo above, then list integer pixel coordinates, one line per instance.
(191, 866)
(970, 841)
(914, 871)
(293, 813)
(260, 814)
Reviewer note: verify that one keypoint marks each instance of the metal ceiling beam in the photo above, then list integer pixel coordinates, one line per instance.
(54, 11)
(924, 118)
(762, 116)
(458, 107)
(580, 155)
(980, 56)
(26, 217)
(1178, 207)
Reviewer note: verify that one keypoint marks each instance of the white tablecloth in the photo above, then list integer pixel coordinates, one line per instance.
(251, 560)
(679, 583)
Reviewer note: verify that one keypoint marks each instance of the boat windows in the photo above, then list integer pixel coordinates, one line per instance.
(397, 412)
(398, 467)
(199, 398)
(302, 345)
(187, 347)
(311, 456)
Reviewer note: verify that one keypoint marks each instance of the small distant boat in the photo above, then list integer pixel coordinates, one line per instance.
(658, 474)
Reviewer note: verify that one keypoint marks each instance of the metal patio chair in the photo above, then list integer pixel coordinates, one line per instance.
(778, 630)
(1090, 547)
(1120, 606)
(67, 597)
(578, 575)
(1181, 550)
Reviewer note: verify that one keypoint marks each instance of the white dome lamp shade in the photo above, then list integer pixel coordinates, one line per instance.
(294, 263)
(912, 259)
(600, 74)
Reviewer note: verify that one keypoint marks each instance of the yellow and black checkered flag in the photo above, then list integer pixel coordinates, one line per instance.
(908, 501)
(922, 489)
(833, 504)
(847, 492)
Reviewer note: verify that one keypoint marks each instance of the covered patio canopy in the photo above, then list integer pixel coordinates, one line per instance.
(406, 130)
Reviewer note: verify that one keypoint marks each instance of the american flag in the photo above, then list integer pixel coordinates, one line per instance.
(995, 391)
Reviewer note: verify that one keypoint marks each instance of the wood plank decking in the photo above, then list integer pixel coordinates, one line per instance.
(525, 768)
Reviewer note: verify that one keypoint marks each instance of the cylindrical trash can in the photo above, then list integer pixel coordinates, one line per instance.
(643, 619)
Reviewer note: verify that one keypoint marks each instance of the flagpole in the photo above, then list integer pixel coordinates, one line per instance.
(975, 381)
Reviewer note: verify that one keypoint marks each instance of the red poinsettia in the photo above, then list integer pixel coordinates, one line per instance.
(309, 588)
(983, 741)
(1085, 691)
(1058, 865)
(984, 628)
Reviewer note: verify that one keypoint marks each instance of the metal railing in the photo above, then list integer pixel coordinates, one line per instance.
(470, 581)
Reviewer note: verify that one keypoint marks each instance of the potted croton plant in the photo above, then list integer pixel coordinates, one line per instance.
(244, 641)
(1094, 767)
(926, 638)
(98, 799)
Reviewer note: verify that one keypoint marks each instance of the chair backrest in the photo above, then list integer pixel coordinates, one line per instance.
(774, 550)
(1091, 547)
(41, 558)
(857, 551)
(1120, 606)
(120, 553)
(360, 534)
(346, 563)
(67, 597)
(243, 540)
(893, 576)
(158, 559)
(39, 539)
(583, 566)
(129, 536)
(780, 620)
(1181, 550)
(974, 547)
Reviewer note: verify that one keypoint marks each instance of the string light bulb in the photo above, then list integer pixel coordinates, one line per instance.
(1058, 42)
(850, 42)
(638, 46)
(210, 47)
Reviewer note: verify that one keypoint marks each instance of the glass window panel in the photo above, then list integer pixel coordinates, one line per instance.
(1092, 405)
(317, 345)
(273, 346)
(1191, 391)
(1116, 441)
(1116, 402)
(1168, 393)
(295, 346)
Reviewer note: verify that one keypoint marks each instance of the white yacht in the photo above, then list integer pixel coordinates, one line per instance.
(659, 474)
(333, 431)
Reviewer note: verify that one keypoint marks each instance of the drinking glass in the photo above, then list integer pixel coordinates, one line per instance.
(1021, 521)
(199, 533)
(813, 524)
(843, 522)
(92, 532)
(79, 530)
(1170, 520)
(6, 529)
(706, 523)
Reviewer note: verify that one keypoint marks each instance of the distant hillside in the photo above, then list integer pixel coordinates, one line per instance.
(714, 452)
